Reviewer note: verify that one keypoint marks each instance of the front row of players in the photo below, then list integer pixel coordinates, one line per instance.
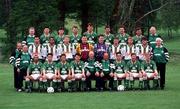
(79, 75)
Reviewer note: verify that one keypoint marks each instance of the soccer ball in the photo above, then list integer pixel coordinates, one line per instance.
(50, 90)
(120, 88)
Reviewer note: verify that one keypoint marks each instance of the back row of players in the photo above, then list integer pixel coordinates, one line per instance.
(87, 57)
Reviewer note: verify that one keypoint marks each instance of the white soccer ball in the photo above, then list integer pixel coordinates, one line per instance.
(120, 88)
(50, 90)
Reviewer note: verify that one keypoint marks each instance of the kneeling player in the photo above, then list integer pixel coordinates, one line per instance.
(149, 72)
(133, 68)
(33, 73)
(78, 74)
(91, 71)
(119, 71)
(106, 72)
(50, 73)
(63, 69)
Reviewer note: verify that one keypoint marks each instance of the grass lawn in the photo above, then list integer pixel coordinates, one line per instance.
(166, 99)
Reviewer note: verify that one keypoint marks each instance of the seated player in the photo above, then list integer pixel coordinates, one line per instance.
(78, 73)
(91, 71)
(134, 71)
(34, 73)
(119, 71)
(149, 71)
(63, 68)
(50, 73)
(106, 72)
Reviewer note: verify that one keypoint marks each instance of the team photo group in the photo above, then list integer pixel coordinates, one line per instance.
(89, 62)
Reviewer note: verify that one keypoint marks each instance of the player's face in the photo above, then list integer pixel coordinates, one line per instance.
(107, 30)
(49, 58)
(106, 56)
(51, 41)
(75, 30)
(158, 42)
(25, 48)
(19, 46)
(31, 31)
(61, 32)
(133, 58)
(138, 32)
(101, 39)
(36, 40)
(63, 58)
(148, 57)
(84, 39)
(46, 30)
(119, 57)
(36, 58)
(130, 41)
(77, 58)
(90, 28)
(66, 40)
(153, 30)
(122, 30)
(144, 42)
(91, 55)
(116, 41)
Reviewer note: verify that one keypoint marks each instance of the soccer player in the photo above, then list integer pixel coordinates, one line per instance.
(36, 48)
(114, 48)
(119, 71)
(100, 48)
(133, 68)
(128, 49)
(108, 36)
(67, 48)
(50, 73)
(59, 39)
(29, 40)
(149, 71)
(12, 60)
(91, 35)
(75, 37)
(143, 49)
(123, 36)
(44, 38)
(138, 36)
(106, 72)
(161, 57)
(153, 36)
(84, 48)
(63, 68)
(22, 63)
(78, 73)
(92, 71)
(33, 73)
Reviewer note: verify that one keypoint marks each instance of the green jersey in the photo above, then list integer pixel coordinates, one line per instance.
(91, 66)
(119, 67)
(77, 67)
(29, 40)
(148, 67)
(59, 39)
(152, 40)
(160, 54)
(75, 39)
(133, 67)
(123, 38)
(92, 37)
(105, 66)
(35, 68)
(137, 39)
(64, 68)
(49, 67)
(108, 39)
(14, 56)
(44, 39)
(23, 60)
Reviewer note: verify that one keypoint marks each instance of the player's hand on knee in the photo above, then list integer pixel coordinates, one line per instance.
(97, 74)
(111, 74)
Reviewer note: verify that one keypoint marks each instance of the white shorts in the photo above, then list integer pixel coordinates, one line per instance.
(120, 75)
(35, 76)
(135, 75)
(64, 77)
(78, 76)
(50, 75)
(150, 75)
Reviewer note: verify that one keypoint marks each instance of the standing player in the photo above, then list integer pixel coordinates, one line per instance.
(137, 38)
(12, 60)
(44, 38)
(91, 35)
(149, 71)
(100, 48)
(50, 73)
(59, 39)
(75, 37)
(108, 36)
(63, 68)
(29, 40)
(78, 73)
(114, 48)
(84, 48)
(153, 36)
(34, 73)
(134, 71)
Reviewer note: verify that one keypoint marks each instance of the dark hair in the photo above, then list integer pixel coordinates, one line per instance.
(61, 28)
(144, 38)
(77, 54)
(74, 26)
(36, 37)
(107, 26)
(118, 53)
(100, 35)
(50, 54)
(63, 55)
(133, 54)
(89, 24)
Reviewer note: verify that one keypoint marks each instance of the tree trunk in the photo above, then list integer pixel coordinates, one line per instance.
(62, 11)
(84, 15)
